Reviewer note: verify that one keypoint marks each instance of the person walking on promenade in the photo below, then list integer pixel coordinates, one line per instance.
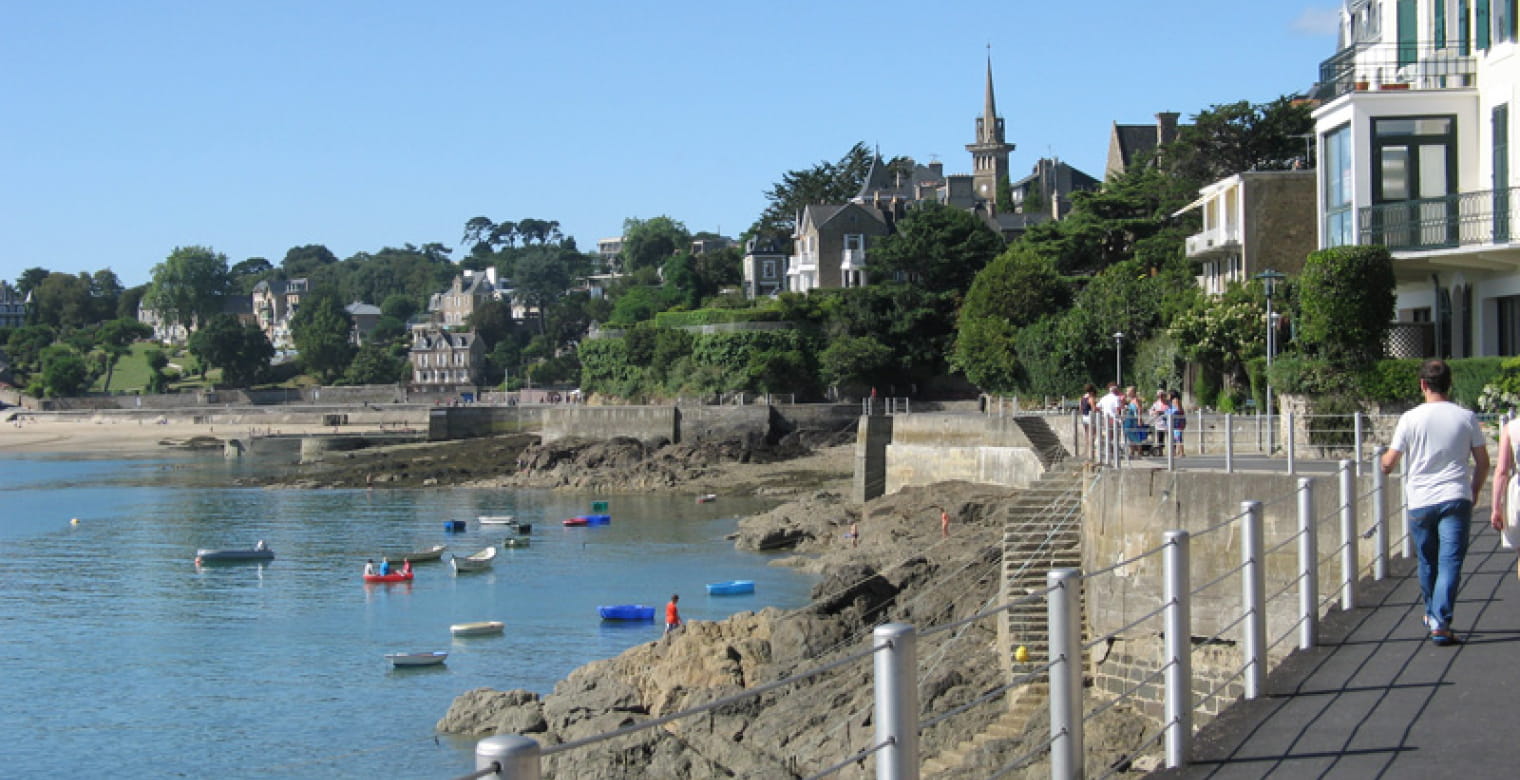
(672, 614)
(1109, 405)
(1439, 488)
(1085, 408)
(1505, 517)
(1179, 424)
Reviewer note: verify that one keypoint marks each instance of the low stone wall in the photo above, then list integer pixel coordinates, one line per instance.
(929, 448)
(1125, 514)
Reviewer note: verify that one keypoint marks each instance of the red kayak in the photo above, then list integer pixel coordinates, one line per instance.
(577, 521)
(397, 577)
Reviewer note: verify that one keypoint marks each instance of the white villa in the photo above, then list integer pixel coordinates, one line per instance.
(1413, 146)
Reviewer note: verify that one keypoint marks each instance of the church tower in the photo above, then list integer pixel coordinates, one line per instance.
(989, 154)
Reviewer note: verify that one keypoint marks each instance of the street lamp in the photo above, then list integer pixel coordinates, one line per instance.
(1118, 359)
(1269, 280)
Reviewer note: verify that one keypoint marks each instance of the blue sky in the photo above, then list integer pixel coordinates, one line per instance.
(131, 128)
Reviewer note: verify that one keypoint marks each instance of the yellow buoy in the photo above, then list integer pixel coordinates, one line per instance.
(1021, 654)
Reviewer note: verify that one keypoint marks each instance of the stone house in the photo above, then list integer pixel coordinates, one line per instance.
(1252, 222)
(1128, 143)
(274, 306)
(12, 306)
(445, 360)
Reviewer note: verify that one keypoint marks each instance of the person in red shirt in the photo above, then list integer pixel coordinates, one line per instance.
(672, 614)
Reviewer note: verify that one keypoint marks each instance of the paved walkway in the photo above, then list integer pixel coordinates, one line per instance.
(1378, 700)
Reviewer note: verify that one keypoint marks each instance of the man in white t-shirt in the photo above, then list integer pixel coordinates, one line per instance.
(1108, 408)
(1439, 490)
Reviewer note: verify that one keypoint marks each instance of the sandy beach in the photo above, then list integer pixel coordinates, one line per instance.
(88, 436)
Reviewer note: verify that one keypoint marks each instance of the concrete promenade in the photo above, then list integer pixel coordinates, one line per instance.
(1377, 699)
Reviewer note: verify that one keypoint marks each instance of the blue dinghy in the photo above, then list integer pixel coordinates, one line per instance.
(626, 612)
(730, 588)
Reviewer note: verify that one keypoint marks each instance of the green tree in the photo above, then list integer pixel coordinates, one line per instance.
(1233, 137)
(856, 361)
(1020, 286)
(940, 246)
(64, 372)
(985, 352)
(188, 286)
(25, 345)
(648, 243)
(541, 278)
(1346, 302)
(130, 301)
(400, 306)
(105, 294)
(30, 278)
(303, 261)
(241, 351)
(158, 381)
(825, 182)
(64, 301)
(321, 331)
(375, 364)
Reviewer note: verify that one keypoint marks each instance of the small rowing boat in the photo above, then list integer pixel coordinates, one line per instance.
(388, 579)
(478, 562)
(259, 553)
(416, 659)
(433, 553)
(626, 612)
(496, 519)
(731, 588)
(477, 628)
(515, 541)
(707, 498)
(576, 522)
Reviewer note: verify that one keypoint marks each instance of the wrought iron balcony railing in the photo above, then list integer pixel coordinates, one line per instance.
(1462, 219)
(1388, 65)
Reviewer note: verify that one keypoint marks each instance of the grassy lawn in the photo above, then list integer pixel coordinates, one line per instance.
(132, 371)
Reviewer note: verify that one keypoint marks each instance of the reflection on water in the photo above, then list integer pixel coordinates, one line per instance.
(117, 644)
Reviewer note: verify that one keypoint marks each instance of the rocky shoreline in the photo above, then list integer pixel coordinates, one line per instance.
(899, 569)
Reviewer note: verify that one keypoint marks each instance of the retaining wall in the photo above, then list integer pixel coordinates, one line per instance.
(929, 448)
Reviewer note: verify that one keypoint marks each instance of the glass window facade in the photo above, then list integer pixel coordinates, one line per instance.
(1338, 183)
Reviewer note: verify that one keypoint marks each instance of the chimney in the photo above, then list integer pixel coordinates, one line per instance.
(1166, 127)
(937, 169)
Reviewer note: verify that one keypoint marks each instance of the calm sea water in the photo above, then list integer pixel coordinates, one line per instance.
(119, 654)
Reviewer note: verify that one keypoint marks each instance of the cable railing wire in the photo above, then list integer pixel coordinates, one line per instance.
(1218, 636)
(1228, 573)
(1127, 626)
(1122, 764)
(861, 756)
(984, 698)
(716, 704)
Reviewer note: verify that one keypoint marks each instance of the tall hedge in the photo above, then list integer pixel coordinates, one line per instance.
(1346, 302)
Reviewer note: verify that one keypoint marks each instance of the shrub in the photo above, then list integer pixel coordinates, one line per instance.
(1346, 301)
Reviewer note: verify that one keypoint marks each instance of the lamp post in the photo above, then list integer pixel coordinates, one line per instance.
(1269, 279)
(1118, 359)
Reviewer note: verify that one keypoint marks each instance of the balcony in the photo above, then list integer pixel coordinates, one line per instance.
(1461, 220)
(853, 260)
(803, 263)
(1389, 66)
(1212, 242)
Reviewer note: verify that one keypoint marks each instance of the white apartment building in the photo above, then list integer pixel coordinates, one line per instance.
(1414, 153)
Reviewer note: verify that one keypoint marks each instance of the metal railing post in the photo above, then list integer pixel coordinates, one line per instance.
(1348, 536)
(1229, 444)
(1253, 594)
(1308, 567)
(1259, 448)
(1408, 545)
(1200, 426)
(516, 757)
(1379, 520)
(1179, 648)
(1065, 618)
(1166, 441)
(1292, 441)
(1356, 434)
(896, 692)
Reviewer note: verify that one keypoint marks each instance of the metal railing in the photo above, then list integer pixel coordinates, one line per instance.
(1460, 219)
(1397, 65)
(894, 648)
(1278, 442)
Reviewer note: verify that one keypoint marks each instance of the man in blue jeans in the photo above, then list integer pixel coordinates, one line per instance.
(1439, 490)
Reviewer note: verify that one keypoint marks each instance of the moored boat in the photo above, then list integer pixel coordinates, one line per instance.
(417, 659)
(626, 612)
(253, 554)
(477, 562)
(576, 521)
(496, 519)
(433, 553)
(598, 519)
(730, 588)
(477, 628)
(707, 498)
(515, 541)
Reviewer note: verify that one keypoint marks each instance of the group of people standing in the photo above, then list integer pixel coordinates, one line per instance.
(1146, 429)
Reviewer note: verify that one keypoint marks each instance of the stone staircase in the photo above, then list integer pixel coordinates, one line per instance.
(1044, 532)
(1047, 445)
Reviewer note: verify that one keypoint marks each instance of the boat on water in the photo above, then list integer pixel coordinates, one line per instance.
(522, 528)
(416, 659)
(388, 579)
(730, 588)
(707, 498)
(598, 519)
(515, 541)
(434, 553)
(453, 526)
(626, 612)
(496, 519)
(576, 521)
(477, 628)
(252, 554)
(477, 562)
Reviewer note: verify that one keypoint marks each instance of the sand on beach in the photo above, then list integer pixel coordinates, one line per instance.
(90, 436)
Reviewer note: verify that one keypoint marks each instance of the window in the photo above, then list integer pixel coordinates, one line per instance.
(1338, 187)
(1414, 160)
(1504, 21)
(1366, 21)
(1509, 325)
(768, 269)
